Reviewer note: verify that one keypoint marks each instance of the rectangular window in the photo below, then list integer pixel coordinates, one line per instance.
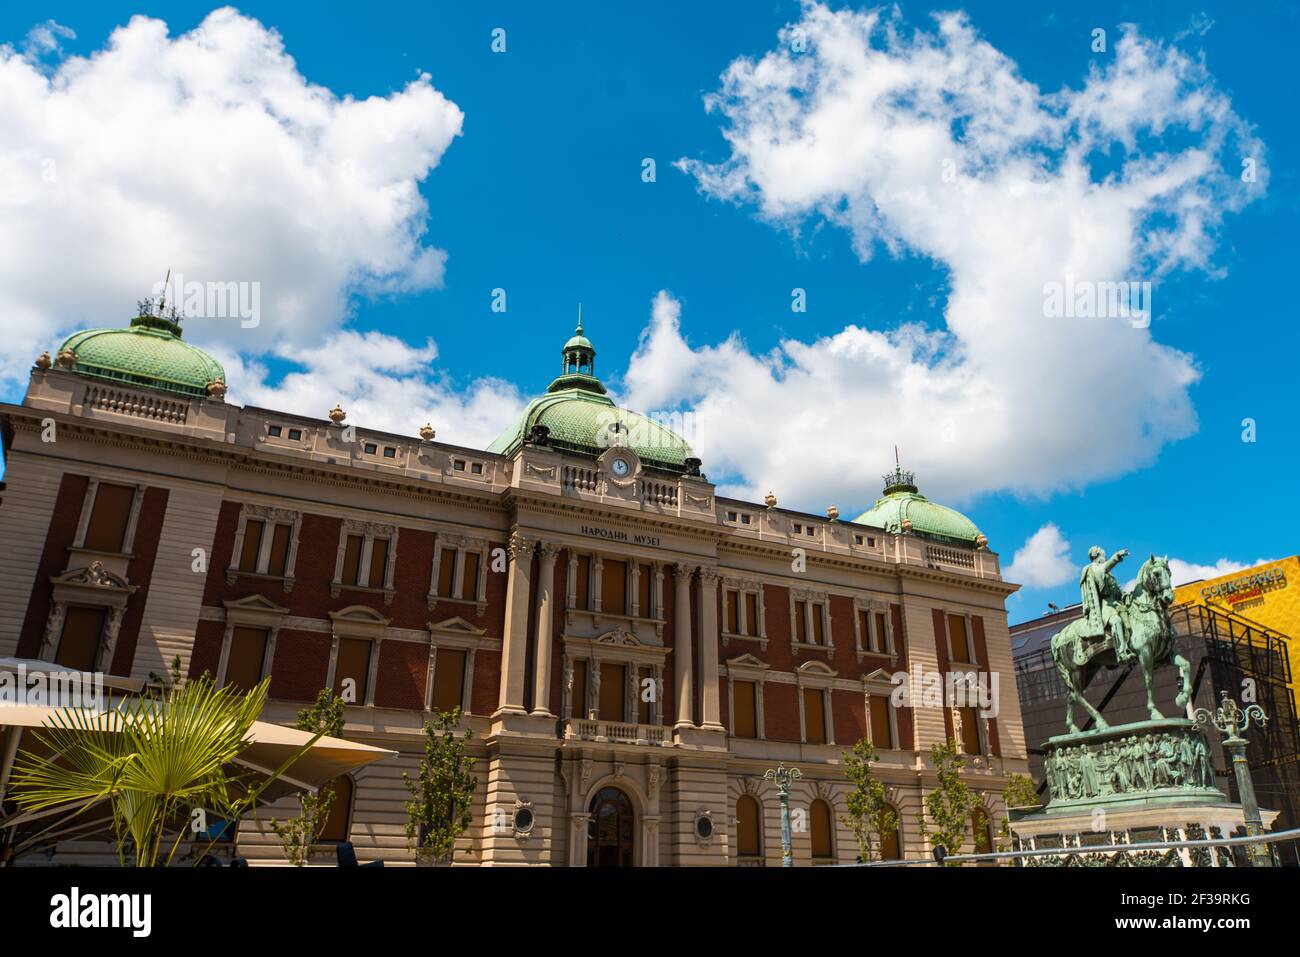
(731, 517)
(458, 465)
(295, 435)
(644, 581)
(613, 587)
(274, 431)
(579, 701)
(448, 679)
(957, 638)
(814, 716)
(746, 707)
(582, 587)
(253, 529)
(751, 613)
(247, 652)
(744, 520)
(79, 645)
(446, 572)
(733, 612)
(469, 582)
(371, 448)
(476, 468)
(378, 562)
(864, 629)
(390, 452)
(970, 731)
(279, 550)
(801, 622)
(613, 692)
(819, 625)
(643, 704)
(352, 560)
(108, 517)
(882, 633)
(353, 663)
(881, 736)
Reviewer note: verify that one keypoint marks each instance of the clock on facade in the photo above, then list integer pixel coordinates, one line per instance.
(619, 467)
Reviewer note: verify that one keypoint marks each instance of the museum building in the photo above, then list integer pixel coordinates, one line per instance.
(631, 650)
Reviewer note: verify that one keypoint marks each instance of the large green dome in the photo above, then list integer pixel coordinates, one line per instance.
(580, 418)
(903, 508)
(149, 353)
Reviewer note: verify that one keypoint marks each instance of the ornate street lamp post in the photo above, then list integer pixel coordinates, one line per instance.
(783, 776)
(1231, 721)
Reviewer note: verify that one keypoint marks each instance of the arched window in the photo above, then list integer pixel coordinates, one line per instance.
(823, 847)
(749, 827)
(340, 820)
(609, 830)
(891, 844)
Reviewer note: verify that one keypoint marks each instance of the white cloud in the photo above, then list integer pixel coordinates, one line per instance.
(1124, 178)
(1043, 561)
(382, 383)
(209, 153)
(1183, 572)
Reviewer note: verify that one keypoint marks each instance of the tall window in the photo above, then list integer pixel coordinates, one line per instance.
(880, 637)
(801, 622)
(749, 827)
(108, 517)
(449, 679)
(79, 645)
(353, 662)
(643, 704)
(881, 732)
(814, 716)
(751, 613)
(982, 831)
(746, 709)
(579, 703)
(247, 652)
(378, 562)
(469, 581)
(337, 826)
(279, 559)
(970, 732)
(613, 587)
(733, 612)
(957, 638)
(253, 529)
(818, 629)
(352, 560)
(613, 692)
(891, 845)
(447, 572)
(819, 820)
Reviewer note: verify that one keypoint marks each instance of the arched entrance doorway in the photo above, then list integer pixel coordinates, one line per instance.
(610, 831)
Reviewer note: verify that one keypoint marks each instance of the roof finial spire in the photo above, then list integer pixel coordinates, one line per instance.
(162, 300)
(579, 330)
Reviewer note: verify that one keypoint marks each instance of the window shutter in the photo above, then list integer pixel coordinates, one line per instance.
(108, 517)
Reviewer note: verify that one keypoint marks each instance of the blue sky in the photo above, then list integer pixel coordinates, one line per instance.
(542, 195)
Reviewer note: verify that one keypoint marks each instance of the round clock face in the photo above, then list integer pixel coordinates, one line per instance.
(619, 467)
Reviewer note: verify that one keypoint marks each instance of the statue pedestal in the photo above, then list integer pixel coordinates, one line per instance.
(1131, 784)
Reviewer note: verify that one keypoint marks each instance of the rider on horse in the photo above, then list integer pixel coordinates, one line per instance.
(1104, 611)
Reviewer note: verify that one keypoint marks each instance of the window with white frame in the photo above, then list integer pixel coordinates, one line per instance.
(266, 543)
(961, 649)
(871, 623)
(745, 679)
(453, 645)
(616, 586)
(357, 633)
(743, 613)
(109, 514)
(882, 716)
(816, 724)
(460, 569)
(810, 619)
(366, 558)
(613, 678)
(248, 645)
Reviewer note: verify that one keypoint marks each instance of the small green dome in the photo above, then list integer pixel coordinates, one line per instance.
(580, 418)
(902, 502)
(149, 353)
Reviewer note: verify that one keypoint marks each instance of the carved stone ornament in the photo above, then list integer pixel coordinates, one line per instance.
(43, 361)
(426, 432)
(520, 546)
(337, 415)
(66, 358)
(217, 389)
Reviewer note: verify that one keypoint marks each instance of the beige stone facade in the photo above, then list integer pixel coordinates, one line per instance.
(530, 637)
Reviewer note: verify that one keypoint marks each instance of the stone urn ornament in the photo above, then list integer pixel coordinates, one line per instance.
(43, 361)
(217, 389)
(337, 415)
(770, 500)
(426, 432)
(833, 513)
(66, 358)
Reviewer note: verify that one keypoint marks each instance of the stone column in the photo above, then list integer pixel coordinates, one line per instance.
(709, 649)
(514, 654)
(545, 633)
(683, 647)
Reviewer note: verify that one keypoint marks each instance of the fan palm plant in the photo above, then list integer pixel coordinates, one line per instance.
(153, 760)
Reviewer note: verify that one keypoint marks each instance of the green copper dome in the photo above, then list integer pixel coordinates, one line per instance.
(149, 353)
(902, 502)
(579, 417)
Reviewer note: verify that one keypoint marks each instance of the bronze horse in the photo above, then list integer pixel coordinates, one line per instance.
(1150, 641)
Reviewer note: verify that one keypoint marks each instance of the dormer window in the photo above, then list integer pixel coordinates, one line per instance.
(371, 448)
(275, 431)
(295, 435)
